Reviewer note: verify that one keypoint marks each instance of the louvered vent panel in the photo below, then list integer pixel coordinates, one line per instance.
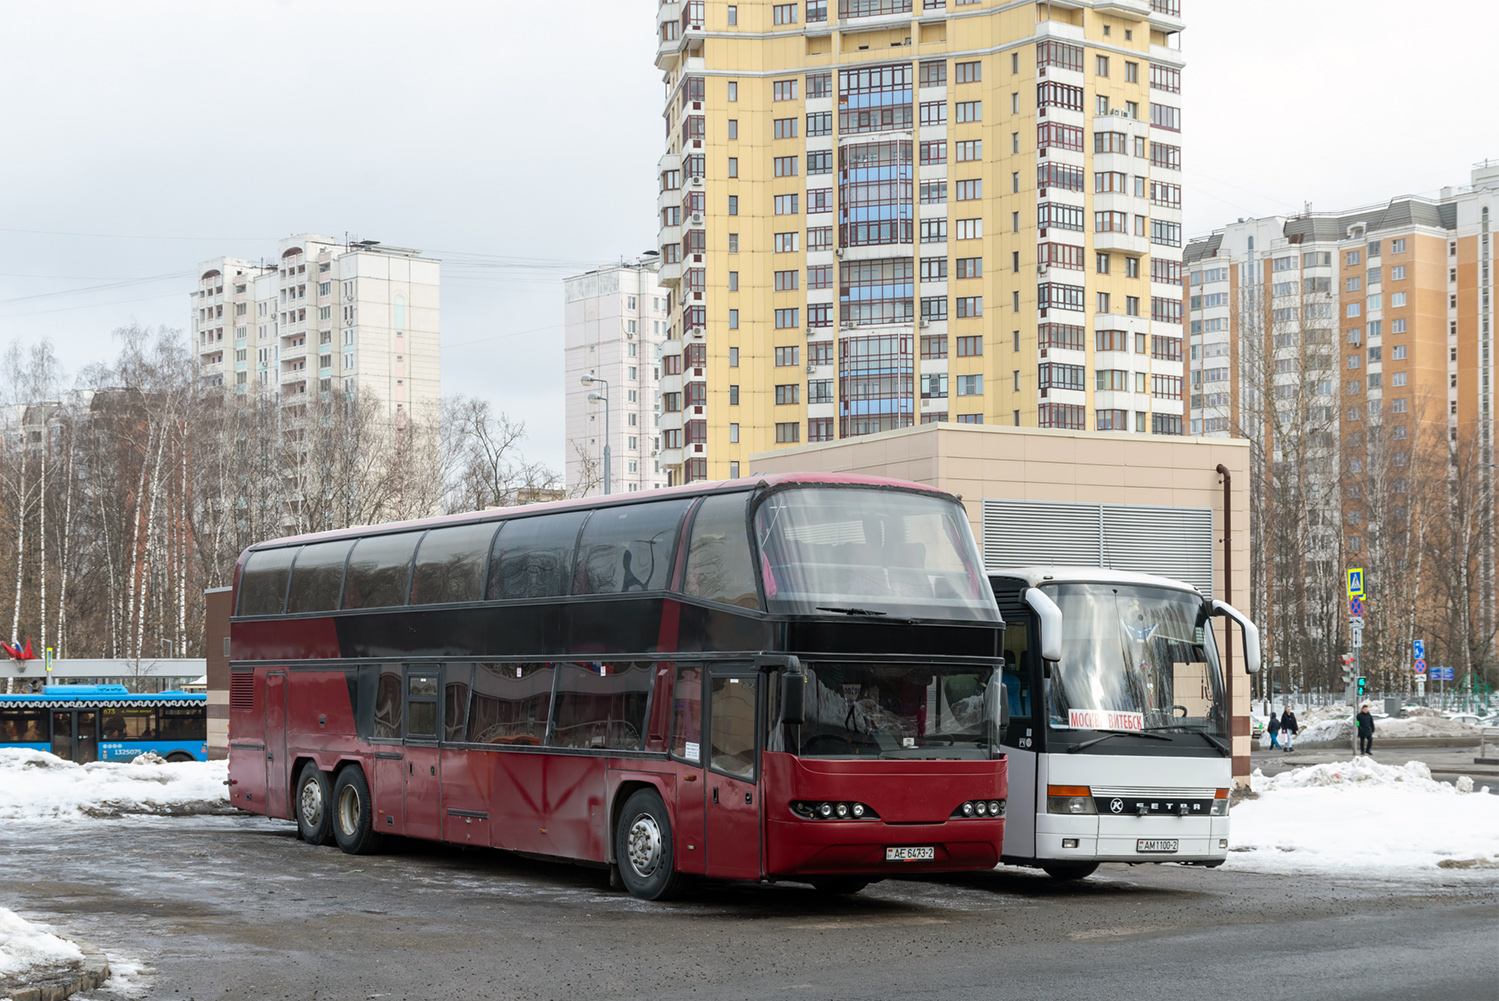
(241, 692)
(1176, 542)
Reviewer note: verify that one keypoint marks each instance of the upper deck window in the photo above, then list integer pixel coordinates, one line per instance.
(262, 585)
(859, 549)
(318, 576)
(629, 548)
(450, 564)
(533, 557)
(719, 564)
(379, 570)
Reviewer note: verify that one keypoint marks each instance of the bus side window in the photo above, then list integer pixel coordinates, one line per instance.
(455, 707)
(388, 703)
(719, 565)
(262, 585)
(687, 715)
(317, 577)
(731, 726)
(379, 570)
(629, 548)
(450, 564)
(1017, 669)
(533, 557)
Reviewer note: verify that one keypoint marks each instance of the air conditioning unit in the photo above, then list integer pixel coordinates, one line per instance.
(696, 333)
(696, 180)
(925, 322)
(811, 367)
(697, 218)
(838, 252)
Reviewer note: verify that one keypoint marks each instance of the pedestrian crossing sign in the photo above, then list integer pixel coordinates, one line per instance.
(1356, 582)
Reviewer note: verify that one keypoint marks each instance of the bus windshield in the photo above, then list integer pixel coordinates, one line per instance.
(862, 551)
(1136, 658)
(881, 710)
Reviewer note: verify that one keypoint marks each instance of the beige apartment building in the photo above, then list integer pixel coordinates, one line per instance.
(879, 213)
(1345, 343)
(322, 315)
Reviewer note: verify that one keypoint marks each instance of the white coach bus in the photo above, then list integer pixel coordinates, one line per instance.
(1119, 735)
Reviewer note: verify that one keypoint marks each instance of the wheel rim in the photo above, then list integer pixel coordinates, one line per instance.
(311, 802)
(643, 846)
(348, 810)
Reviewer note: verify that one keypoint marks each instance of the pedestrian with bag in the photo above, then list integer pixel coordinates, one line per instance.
(1288, 729)
(1365, 730)
(1273, 727)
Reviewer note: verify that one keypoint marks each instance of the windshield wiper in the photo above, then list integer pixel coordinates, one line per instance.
(1117, 733)
(850, 611)
(1220, 745)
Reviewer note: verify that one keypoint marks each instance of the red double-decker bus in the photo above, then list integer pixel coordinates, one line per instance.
(790, 677)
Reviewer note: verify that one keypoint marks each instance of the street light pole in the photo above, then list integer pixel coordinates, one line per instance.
(603, 397)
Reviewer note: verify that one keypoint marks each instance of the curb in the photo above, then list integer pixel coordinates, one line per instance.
(94, 972)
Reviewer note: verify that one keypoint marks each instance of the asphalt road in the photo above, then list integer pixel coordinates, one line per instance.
(237, 908)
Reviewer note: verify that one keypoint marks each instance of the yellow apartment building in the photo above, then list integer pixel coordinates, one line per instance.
(879, 213)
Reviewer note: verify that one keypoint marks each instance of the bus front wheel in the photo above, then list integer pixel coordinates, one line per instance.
(314, 805)
(1071, 870)
(353, 813)
(644, 850)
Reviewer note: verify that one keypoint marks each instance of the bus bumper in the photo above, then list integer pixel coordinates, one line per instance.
(1131, 839)
(827, 847)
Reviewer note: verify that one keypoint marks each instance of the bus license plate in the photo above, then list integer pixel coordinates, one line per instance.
(1157, 845)
(910, 854)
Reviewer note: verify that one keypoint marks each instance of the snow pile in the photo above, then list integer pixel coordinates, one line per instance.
(35, 785)
(1334, 730)
(1363, 817)
(27, 949)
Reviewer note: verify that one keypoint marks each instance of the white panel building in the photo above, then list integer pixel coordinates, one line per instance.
(616, 320)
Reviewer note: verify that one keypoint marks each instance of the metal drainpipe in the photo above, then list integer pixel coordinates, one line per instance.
(1228, 632)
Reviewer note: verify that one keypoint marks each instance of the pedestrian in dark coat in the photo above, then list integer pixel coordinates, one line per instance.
(1365, 730)
(1288, 728)
(1274, 727)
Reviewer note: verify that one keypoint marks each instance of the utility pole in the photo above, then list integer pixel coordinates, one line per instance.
(603, 397)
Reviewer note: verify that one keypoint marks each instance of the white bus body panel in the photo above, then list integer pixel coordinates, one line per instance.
(1036, 835)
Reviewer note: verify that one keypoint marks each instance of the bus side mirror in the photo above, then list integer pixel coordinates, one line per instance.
(1251, 635)
(793, 692)
(1049, 619)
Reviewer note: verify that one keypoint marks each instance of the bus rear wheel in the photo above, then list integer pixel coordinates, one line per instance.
(1071, 870)
(353, 813)
(314, 805)
(644, 849)
(177, 757)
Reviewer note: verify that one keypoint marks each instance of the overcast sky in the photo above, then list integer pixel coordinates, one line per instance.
(517, 142)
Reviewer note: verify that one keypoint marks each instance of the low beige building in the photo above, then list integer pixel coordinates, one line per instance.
(1146, 503)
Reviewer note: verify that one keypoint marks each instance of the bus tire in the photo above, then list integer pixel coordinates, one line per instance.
(312, 803)
(354, 814)
(1071, 870)
(840, 884)
(644, 849)
(176, 757)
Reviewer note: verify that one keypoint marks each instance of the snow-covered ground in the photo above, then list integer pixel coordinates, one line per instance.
(27, 949)
(1331, 730)
(1361, 817)
(35, 785)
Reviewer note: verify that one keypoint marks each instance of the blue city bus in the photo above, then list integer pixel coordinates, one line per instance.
(85, 723)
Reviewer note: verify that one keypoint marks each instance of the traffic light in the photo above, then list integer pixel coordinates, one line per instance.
(1347, 669)
(1363, 685)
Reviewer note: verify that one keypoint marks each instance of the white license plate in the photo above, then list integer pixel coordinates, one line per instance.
(910, 854)
(1156, 845)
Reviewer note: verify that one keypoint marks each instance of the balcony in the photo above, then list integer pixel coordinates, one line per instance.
(299, 351)
(293, 376)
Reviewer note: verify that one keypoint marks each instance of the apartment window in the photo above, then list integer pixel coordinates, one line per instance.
(1112, 379)
(969, 111)
(971, 72)
(733, 166)
(1101, 65)
(1110, 222)
(1398, 352)
(933, 74)
(788, 433)
(787, 243)
(969, 267)
(1101, 105)
(1131, 72)
(934, 113)
(820, 123)
(820, 277)
(788, 356)
(933, 346)
(1353, 257)
(733, 20)
(967, 306)
(1055, 135)
(787, 281)
(819, 162)
(784, 166)
(933, 230)
(1397, 246)
(968, 191)
(733, 396)
(933, 269)
(733, 319)
(783, 13)
(970, 347)
(1398, 379)
(733, 243)
(734, 128)
(934, 385)
(783, 128)
(1112, 420)
(733, 357)
(788, 394)
(1165, 155)
(1167, 234)
(931, 152)
(1397, 299)
(787, 204)
(1397, 273)
(933, 192)
(788, 319)
(970, 385)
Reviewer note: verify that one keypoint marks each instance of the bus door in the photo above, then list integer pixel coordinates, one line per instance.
(1022, 687)
(687, 747)
(277, 800)
(75, 735)
(423, 724)
(732, 807)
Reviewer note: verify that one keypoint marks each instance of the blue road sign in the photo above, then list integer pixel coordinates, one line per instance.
(1420, 667)
(1420, 649)
(1441, 674)
(1356, 606)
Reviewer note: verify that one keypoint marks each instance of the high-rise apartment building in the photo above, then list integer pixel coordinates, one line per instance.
(322, 315)
(616, 323)
(879, 212)
(1348, 343)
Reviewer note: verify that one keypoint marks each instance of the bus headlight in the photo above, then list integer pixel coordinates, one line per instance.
(833, 810)
(1073, 800)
